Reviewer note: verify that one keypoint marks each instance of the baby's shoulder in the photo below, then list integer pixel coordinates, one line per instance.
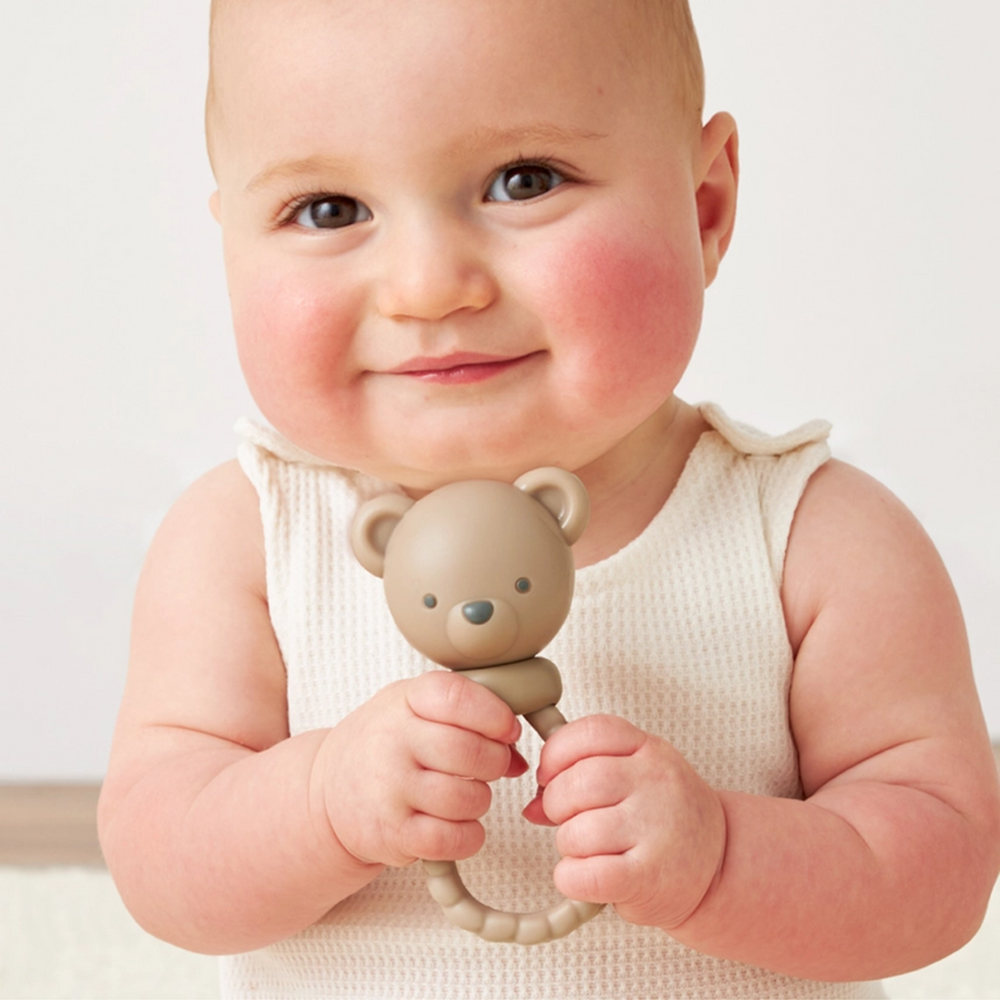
(213, 528)
(224, 486)
(853, 543)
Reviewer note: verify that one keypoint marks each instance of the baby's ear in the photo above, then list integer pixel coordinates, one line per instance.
(563, 495)
(718, 170)
(373, 525)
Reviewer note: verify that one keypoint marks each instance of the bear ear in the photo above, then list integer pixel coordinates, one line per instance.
(373, 525)
(563, 495)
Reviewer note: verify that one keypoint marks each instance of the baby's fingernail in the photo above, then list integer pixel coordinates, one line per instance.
(534, 812)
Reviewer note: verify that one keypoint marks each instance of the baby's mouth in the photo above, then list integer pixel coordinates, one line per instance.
(461, 368)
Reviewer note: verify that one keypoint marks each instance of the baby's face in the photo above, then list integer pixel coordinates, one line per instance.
(461, 236)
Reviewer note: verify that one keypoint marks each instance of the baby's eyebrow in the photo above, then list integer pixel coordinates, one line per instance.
(309, 166)
(490, 136)
(484, 138)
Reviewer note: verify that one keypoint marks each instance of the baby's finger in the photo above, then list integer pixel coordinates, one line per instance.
(448, 797)
(592, 783)
(609, 878)
(447, 697)
(458, 752)
(593, 736)
(435, 839)
(599, 832)
(517, 766)
(534, 811)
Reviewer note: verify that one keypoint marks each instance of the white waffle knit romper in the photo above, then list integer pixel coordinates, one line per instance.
(681, 632)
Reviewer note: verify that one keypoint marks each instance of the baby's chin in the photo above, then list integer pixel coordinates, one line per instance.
(418, 478)
(420, 470)
(418, 481)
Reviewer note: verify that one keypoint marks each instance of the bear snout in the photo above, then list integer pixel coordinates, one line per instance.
(482, 630)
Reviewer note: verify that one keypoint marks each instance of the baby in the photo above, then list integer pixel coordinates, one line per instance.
(466, 239)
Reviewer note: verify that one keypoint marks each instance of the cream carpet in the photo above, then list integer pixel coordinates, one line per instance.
(65, 933)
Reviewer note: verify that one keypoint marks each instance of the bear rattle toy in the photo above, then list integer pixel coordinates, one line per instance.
(478, 577)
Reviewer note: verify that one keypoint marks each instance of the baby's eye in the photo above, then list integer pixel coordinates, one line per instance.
(523, 181)
(332, 212)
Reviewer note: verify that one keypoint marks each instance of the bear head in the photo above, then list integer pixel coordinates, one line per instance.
(477, 573)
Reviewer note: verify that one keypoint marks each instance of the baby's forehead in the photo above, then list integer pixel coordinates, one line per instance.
(654, 39)
(660, 30)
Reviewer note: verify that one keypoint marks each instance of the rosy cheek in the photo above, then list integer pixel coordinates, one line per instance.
(631, 310)
(290, 337)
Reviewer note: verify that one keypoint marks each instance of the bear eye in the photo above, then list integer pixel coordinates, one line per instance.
(430, 601)
(523, 585)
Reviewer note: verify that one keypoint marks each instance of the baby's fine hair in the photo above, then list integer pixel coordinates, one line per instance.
(676, 53)
(667, 23)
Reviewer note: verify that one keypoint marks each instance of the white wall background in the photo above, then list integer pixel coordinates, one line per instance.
(861, 286)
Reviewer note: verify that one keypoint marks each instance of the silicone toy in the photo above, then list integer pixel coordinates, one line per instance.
(478, 577)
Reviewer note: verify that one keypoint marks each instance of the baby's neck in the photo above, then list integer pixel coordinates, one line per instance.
(630, 485)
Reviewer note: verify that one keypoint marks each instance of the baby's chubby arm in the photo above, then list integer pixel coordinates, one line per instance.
(888, 863)
(223, 833)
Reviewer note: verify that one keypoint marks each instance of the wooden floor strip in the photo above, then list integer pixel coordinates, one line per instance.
(49, 825)
(57, 824)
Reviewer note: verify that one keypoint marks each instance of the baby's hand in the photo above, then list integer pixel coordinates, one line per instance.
(405, 775)
(637, 826)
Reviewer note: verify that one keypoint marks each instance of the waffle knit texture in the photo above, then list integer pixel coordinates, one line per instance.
(681, 632)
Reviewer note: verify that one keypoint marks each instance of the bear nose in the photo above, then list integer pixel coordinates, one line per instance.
(477, 612)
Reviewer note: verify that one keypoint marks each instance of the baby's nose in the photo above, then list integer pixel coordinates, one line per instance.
(431, 270)
(477, 612)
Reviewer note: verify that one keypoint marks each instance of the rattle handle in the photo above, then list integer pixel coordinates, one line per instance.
(546, 721)
(465, 911)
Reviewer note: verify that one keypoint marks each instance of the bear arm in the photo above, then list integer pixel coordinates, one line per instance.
(527, 686)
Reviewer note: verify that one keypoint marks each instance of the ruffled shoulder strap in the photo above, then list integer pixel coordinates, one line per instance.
(275, 465)
(269, 440)
(780, 465)
(750, 441)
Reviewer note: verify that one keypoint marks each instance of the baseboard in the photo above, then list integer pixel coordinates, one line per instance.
(49, 824)
(56, 824)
